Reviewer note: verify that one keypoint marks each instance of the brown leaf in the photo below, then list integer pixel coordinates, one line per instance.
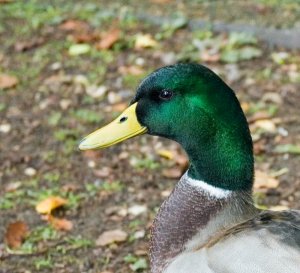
(6, 1)
(8, 81)
(131, 70)
(47, 205)
(113, 236)
(172, 173)
(90, 154)
(119, 107)
(245, 106)
(80, 31)
(259, 146)
(60, 223)
(109, 39)
(74, 25)
(16, 233)
(210, 58)
(265, 181)
(85, 37)
(261, 115)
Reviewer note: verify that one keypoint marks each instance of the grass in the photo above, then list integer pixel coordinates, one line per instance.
(50, 146)
(12, 199)
(40, 234)
(43, 263)
(66, 134)
(146, 163)
(136, 263)
(87, 116)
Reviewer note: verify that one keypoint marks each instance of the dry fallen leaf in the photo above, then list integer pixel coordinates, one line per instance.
(113, 236)
(85, 37)
(144, 41)
(6, 1)
(119, 107)
(261, 115)
(47, 205)
(109, 39)
(259, 146)
(16, 233)
(60, 223)
(210, 58)
(264, 180)
(11, 187)
(136, 210)
(131, 70)
(91, 154)
(8, 81)
(265, 124)
(74, 25)
(245, 106)
(80, 31)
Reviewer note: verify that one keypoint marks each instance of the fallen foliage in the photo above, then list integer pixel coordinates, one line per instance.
(8, 81)
(112, 236)
(47, 205)
(15, 234)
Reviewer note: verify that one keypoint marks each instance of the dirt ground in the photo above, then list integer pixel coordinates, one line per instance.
(69, 68)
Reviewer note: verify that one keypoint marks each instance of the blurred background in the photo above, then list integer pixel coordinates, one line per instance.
(69, 67)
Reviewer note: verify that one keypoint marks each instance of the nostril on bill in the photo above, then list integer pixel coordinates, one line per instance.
(123, 119)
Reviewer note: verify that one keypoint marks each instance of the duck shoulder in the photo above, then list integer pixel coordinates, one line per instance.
(268, 242)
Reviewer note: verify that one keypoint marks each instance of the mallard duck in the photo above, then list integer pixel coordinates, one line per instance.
(209, 222)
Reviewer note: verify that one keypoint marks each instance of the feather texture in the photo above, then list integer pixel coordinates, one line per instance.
(268, 242)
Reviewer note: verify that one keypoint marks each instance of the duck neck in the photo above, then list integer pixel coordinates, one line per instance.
(193, 212)
(225, 160)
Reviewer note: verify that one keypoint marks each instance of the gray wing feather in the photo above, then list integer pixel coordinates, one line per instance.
(267, 243)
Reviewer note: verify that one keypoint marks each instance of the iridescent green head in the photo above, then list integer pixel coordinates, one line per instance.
(190, 104)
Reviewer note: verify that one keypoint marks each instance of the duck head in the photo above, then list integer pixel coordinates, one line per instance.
(190, 104)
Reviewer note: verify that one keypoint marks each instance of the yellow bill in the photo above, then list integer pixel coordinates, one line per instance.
(123, 127)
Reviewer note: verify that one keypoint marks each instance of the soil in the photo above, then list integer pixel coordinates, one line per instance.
(44, 116)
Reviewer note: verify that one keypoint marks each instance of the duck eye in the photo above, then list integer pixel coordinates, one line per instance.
(166, 94)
